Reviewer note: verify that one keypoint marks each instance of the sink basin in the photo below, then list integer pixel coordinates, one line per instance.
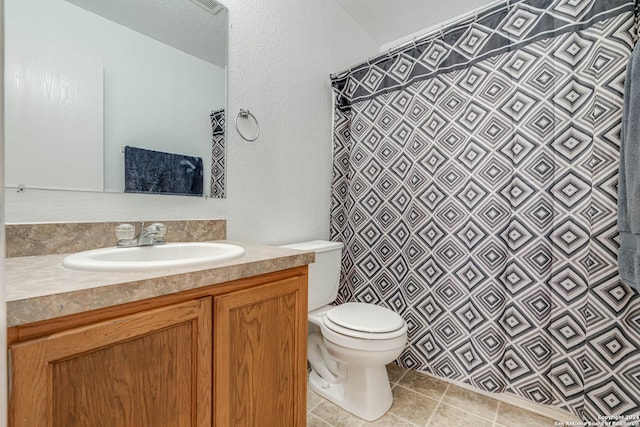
(147, 258)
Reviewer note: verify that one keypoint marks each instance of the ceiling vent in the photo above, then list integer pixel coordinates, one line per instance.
(211, 6)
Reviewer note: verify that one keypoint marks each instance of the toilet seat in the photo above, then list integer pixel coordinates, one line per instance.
(362, 326)
(362, 335)
(364, 321)
(364, 317)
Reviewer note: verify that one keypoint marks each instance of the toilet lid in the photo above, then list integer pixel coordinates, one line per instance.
(363, 317)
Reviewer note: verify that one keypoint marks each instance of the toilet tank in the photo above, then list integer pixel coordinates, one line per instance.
(324, 274)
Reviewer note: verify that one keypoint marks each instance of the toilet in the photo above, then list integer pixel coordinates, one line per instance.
(349, 345)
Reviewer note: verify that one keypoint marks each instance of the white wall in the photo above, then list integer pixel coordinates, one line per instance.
(388, 22)
(280, 56)
(419, 24)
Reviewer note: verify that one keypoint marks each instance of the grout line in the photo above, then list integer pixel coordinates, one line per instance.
(422, 394)
(401, 376)
(492, 419)
(437, 405)
(317, 404)
(495, 416)
(391, 414)
(396, 415)
(403, 419)
(310, 415)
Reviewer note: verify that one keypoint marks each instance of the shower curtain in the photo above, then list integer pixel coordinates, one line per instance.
(474, 188)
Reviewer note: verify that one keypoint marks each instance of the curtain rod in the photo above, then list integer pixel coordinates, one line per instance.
(429, 34)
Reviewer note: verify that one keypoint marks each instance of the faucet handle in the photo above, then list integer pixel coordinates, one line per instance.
(125, 235)
(162, 229)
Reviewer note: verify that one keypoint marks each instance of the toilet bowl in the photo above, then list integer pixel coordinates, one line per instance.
(356, 359)
(349, 345)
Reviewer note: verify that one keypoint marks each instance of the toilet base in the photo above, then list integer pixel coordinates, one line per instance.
(364, 391)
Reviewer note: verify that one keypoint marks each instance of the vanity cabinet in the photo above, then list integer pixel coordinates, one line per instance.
(227, 355)
(151, 368)
(260, 342)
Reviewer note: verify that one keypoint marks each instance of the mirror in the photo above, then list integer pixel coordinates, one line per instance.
(94, 85)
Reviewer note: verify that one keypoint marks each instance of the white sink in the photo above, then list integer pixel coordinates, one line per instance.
(145, 258)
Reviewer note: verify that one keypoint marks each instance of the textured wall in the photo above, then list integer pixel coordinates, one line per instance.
(281, 54)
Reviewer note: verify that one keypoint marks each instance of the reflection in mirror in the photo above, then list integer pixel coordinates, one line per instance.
(86, 78)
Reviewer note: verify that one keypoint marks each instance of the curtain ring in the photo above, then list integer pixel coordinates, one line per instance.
(245, 114)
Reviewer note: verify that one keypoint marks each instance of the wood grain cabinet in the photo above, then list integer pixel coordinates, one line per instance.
(260, 341)
(151, 368)
(228, 355)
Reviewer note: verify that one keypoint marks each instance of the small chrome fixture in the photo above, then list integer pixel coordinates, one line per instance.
(148, 236)
(245, 114)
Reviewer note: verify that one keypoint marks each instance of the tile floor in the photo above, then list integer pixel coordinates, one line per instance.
(421, 400)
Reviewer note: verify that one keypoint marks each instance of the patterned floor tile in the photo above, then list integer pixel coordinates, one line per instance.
(412, 406)
(313, 421)
(509, 415)
(449, 416)
(476, 403)
(389, 420)
(335, 416)
(395, 372)
(425, 384)
(312, 399)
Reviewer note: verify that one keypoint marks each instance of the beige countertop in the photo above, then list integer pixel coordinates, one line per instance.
(39, 288)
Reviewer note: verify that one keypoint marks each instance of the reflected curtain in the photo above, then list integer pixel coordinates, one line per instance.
(218, 157)
(474, 188)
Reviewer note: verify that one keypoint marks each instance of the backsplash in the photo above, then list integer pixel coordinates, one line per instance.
(67, 237)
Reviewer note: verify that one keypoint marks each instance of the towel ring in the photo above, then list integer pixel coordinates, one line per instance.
(245, 114)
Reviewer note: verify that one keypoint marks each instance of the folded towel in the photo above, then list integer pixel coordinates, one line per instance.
(629, 176)
(148, 171)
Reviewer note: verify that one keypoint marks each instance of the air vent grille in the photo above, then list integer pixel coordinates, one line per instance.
(210, 6)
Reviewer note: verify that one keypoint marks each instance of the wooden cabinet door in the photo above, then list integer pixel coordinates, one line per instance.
(151, 368)
(260, 342)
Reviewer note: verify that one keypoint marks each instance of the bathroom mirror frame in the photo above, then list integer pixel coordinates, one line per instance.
(158, 130)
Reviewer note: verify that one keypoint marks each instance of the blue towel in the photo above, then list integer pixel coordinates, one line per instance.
(629, 177)
(148, 171)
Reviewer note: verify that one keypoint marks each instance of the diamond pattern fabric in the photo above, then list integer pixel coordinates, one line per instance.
(218, 158)
(474, 187)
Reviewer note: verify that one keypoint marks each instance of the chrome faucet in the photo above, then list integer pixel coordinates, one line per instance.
(151, 235)
(148, 236)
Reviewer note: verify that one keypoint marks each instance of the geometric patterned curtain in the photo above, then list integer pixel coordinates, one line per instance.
(474, 188)
(218, 169)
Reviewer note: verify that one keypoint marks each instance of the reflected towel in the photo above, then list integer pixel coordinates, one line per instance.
(148, 171)
(629, 176)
